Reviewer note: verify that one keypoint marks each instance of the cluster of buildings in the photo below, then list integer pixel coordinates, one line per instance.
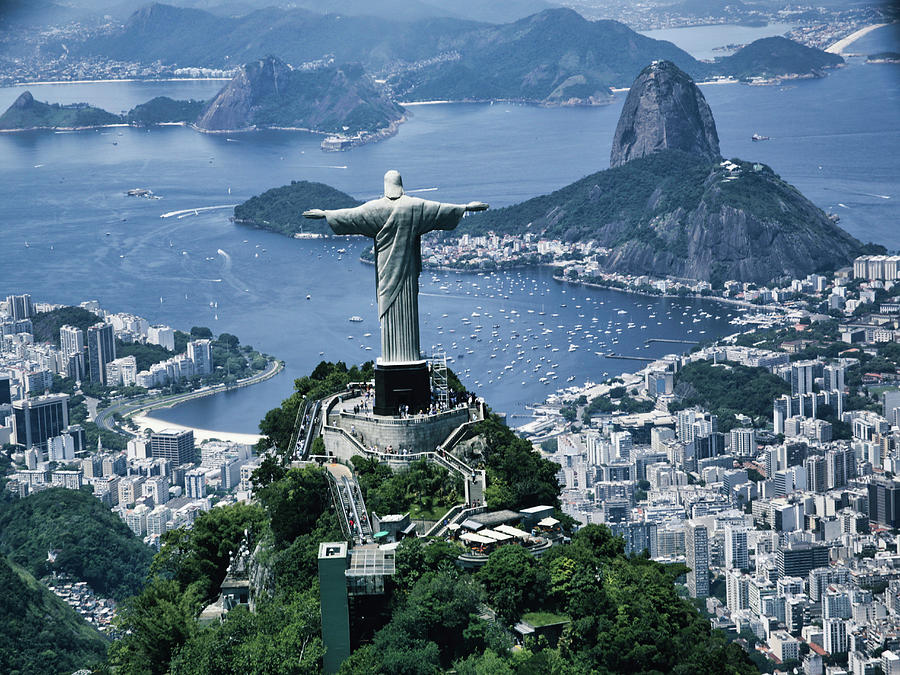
(492, 251)
(158, 484)
(97, 611)
(787, 531)
(89, 355)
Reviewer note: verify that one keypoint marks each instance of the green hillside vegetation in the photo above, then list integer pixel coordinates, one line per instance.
(144, 354)
(164, 109)
(772, 56)
(728, 388)
(430, 619)
(42, 635)
(632, 195)
(425, 490)
(26, 113)
(94, 545)
(624, 615)
(283, 636)
(280, 209)
(47, 324)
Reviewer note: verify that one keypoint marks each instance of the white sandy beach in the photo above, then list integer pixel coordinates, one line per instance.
(145, 422)
(839, 46)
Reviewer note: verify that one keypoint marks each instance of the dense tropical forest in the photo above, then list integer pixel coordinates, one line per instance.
(42, 635)
(92, 544)
(728, 388)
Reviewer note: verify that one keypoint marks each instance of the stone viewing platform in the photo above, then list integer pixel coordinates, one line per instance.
(351, 428)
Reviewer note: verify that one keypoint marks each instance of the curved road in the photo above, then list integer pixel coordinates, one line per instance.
(104, 418)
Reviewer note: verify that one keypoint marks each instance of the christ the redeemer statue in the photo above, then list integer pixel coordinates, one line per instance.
(396, 222)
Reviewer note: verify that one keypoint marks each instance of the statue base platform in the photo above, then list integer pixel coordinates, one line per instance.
(399, 384)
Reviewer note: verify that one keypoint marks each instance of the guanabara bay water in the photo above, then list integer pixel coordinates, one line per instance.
(63, 195)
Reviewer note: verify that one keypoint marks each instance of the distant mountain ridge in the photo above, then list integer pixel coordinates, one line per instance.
(553, 56)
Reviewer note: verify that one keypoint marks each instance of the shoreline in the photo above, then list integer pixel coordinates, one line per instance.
(143, 416)
(693, 296)
(130, 79)
(839, 46)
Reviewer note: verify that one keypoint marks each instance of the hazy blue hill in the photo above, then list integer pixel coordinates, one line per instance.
(27, 113)
(41, 633)
(776, 55)
(556, 55)
(496, 11)
(191, 37)
(94, 544)
(280, 209)
(267, 93)
(164, 109)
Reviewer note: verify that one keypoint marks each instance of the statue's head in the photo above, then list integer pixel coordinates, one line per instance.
(393, 184)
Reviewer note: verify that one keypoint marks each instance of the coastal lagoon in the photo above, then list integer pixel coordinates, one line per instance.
(835, 139)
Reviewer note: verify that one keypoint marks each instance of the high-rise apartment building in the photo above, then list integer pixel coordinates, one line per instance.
(20, 306)
(736, 550)
(101, 344)
(835, 636)
(743, 442)
(696, 540)
(802, 376)
(195, 483)
(164, 336)
(200, 352)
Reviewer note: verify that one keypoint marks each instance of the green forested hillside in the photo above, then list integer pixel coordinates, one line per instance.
(40, 633)
(774, 56)
(632, 194)
(164, 109)
(281, 209)
(93, 544)
(729, 388)
(26, 113)
(47, 324)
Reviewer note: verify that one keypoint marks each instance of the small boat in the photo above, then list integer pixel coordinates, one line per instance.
(309, 297)
(356, 319)
(758, 137)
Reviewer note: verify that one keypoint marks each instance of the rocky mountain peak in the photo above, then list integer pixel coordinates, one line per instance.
(664, 110)
(25, 100)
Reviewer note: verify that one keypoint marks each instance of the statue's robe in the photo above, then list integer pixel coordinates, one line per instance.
(397, 225)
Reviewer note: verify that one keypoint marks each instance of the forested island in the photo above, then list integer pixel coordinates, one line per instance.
(281, 209)
(26, 114)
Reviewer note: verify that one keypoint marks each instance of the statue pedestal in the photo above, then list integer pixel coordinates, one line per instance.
(398, 384)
